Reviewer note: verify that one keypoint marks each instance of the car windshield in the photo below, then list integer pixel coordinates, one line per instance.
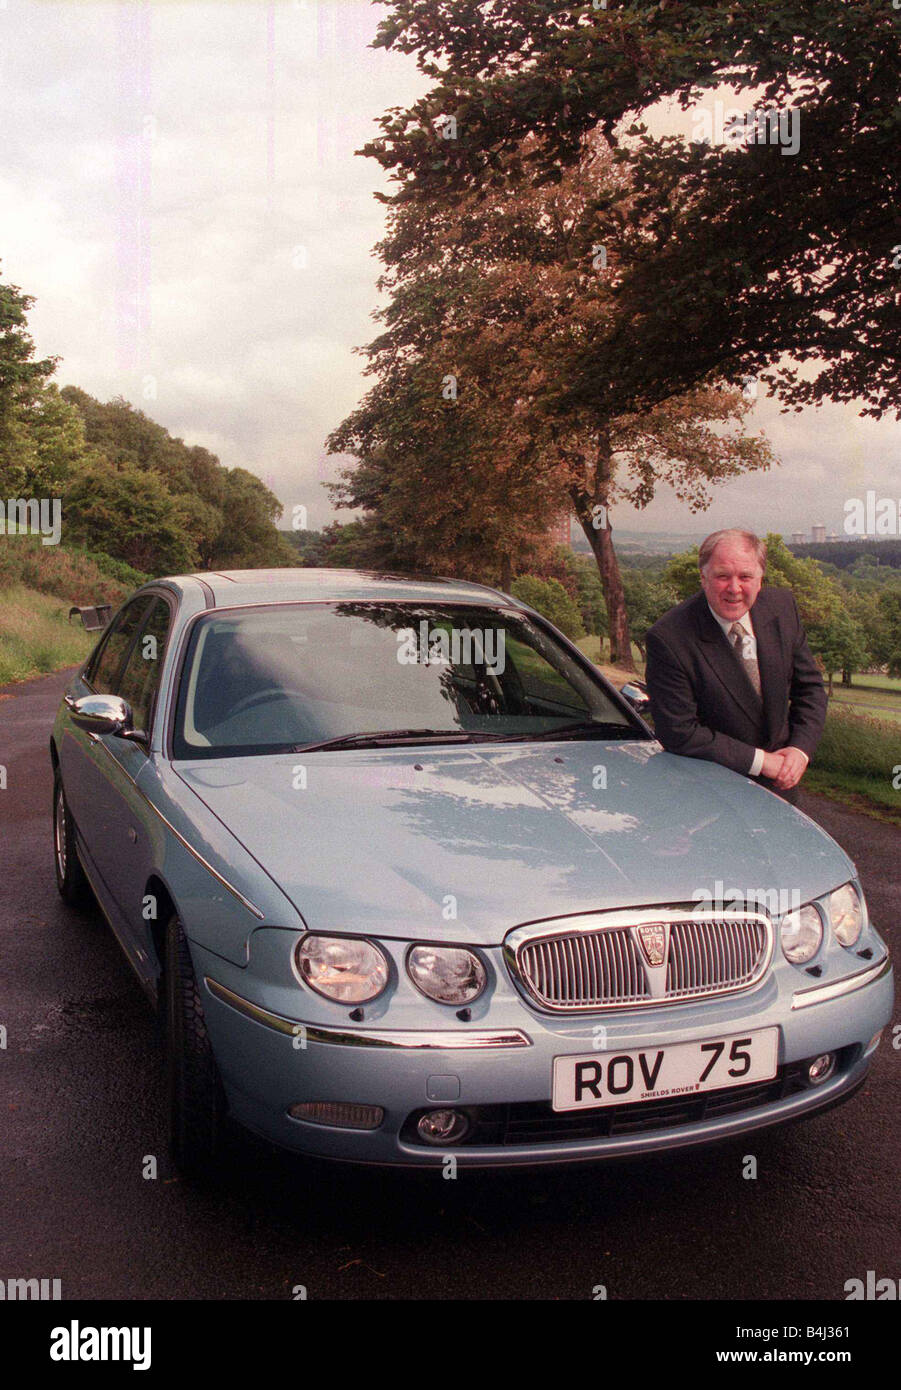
(290, 677)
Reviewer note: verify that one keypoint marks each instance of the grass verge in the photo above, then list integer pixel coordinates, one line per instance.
(858, 761)
(36, 636)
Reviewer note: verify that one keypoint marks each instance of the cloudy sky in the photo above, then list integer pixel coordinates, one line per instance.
(180, 194)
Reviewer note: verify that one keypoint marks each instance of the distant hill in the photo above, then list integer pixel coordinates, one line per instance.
(644, 542)
(843, 554)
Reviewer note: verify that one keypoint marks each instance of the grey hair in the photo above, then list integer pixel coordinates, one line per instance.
(746, 538)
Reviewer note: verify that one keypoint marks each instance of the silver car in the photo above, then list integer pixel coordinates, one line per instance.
(411, 883)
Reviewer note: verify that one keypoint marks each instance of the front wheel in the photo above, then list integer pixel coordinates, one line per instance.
(70, 876)
(195, 1094)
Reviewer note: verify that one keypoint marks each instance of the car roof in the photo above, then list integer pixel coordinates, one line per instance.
(238, 588)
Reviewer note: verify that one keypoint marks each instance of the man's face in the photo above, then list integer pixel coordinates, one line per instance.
(731, 579)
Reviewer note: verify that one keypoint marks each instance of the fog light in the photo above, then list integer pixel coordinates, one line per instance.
(442, 1126)
(339, 1114)
(821, 1068)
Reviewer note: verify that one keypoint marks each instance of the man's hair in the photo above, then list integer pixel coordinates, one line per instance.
(746, 538)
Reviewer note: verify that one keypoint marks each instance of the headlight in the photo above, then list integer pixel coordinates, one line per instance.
(345, 968)
(802, 932)
(449, 974)
(846, 914)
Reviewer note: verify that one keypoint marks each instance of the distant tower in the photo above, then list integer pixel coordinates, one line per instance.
(818, 532)
(797, 537)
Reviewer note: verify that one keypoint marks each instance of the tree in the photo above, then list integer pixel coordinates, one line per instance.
(367, 544)
(888, 643)
(44, 444)
(22, 380)
(130, 514)
(549, 598)
(647, 599)
(839, 644)
(734, 254)
(248, 537)
(462, 449)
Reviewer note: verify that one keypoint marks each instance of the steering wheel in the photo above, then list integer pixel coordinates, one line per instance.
(490, 694)
(272, 692)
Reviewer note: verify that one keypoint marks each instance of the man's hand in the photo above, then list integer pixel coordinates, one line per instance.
(794, 765)
(772, 764)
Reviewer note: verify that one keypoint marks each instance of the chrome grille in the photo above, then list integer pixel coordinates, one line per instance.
(597, 961)
(708, 957)
(585, 970)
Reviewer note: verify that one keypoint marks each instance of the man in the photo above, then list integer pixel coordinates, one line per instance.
(730, 675)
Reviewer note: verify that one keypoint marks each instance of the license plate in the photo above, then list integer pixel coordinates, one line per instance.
(626, 1077)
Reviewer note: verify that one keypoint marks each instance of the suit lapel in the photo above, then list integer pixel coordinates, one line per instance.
(772, 676)
(725, 662)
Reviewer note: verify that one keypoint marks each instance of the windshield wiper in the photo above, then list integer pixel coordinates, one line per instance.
(379, 737)
(606, 730)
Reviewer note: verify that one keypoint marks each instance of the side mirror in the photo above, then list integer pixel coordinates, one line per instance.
(106, 714)
(636, 692)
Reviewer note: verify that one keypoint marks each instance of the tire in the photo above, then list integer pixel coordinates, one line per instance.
(196, 1098)
(71, 882)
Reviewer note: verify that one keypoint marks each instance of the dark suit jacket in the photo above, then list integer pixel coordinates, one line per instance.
(703, 703)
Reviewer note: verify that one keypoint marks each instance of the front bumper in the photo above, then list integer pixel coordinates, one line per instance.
(270, 1061)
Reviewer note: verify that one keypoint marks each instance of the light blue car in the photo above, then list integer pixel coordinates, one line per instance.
(409, 881)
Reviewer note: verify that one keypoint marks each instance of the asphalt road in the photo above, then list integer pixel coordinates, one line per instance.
(81, 1106)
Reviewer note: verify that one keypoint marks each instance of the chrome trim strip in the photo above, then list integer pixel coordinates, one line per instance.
(819, 994)
(181, 839)
(596, 923)
(358, 1037)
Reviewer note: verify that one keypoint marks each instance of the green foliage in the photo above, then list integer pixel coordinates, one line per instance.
(248, 537)
(43, 446)
(135, 510)
(647, 599)
(464, 450)
(66, 572)
(860, 556)
(724, 246)
(367, 544)
(549, 598)
(585, 585)
(887, 634)
(21, 378)
(838, 642)
(116, 569)
(35, 636)
(857, 755)
(307, 545)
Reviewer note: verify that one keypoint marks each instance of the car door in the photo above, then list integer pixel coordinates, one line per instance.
(78, 752)
(126, 824)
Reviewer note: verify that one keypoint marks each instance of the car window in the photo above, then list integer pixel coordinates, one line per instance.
(139, 682)
(277, 677)
(103, 672)
(541, 681)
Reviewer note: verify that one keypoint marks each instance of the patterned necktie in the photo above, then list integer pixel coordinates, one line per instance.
(742, 643)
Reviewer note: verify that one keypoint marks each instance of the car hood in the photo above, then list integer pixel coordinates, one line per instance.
(462, 844)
